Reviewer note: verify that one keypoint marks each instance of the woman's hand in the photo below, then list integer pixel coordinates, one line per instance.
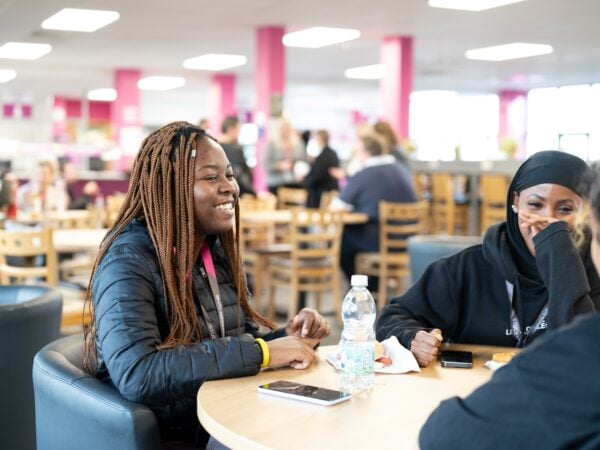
(532, 224)
(425, 346)
(291, 351)
(308, 323)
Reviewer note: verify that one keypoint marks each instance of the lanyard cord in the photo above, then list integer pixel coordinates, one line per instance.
(516, 326)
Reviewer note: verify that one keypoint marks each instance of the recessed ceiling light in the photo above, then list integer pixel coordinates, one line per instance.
(316, 37)
(470, 5)
(509, 51)
(160, 83)
(87, 20)
(102, 95)
(214, 61)
(372, 72)
(24, 50)
(6, 75)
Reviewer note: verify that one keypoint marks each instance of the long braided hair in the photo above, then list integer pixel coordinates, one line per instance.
(161, 194)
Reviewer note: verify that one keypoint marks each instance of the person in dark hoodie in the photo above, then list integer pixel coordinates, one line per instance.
(547, 397)
(171, 307)
(526, 277)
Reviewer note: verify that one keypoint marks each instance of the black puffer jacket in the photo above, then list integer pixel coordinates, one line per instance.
(131, 321)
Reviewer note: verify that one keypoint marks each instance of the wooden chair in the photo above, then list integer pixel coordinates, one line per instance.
(447, 215)
(493, 189)
(291, 197)
(113, 206)
(326, 199)
(28, 244)
(397, 222)
(257, 242)
(313, 263)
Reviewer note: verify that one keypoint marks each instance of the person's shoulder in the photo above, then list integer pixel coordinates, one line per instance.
(134, 240)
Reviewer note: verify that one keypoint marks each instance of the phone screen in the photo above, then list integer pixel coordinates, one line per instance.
(304, 392)
(453, 358)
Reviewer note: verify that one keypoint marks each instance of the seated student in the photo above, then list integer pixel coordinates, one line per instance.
(44, 192)
(527, 276)
(170, 303)
(547, 397)
(381, 178)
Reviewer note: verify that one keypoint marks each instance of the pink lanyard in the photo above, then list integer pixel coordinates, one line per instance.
(208, 271)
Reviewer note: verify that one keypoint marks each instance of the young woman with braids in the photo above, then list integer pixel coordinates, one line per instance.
(170, 303)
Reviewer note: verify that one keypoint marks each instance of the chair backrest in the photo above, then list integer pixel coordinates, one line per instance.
(266, 202)
(397, 222)
(29, 319)
(75, 410)
(315, 235)
(493, 190)
(326, 199)
(113, 206)
(21, 245)
(291, 197)
(423, 250)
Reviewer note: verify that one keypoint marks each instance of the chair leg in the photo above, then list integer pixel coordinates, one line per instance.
(318, 300)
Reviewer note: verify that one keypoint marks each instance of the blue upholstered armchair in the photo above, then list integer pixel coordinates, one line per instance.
(29, 319)
(74, 410)
(423, 250)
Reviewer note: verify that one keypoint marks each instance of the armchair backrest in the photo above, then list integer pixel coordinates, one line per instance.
(75, 410)
(29, 319)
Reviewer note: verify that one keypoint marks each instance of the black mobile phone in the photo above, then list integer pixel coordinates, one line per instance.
(305, 392)
(453, 358)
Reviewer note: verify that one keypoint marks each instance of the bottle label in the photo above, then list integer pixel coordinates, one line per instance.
(358, 358)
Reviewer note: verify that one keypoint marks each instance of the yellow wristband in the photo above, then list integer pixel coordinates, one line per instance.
(265, 352)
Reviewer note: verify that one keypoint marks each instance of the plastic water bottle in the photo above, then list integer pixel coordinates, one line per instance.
(358, 337)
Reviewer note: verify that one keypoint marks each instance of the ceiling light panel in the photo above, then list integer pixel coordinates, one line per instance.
(214, 62)
(102, 95)
(372, 72)
(160, 83)
(317, 37)
(24, 50)
(471, 5)
(509, 51)
(86, 20)
(6, 75)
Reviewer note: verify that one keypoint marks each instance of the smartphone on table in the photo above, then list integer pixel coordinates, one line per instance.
(453, 358)
(304, 392)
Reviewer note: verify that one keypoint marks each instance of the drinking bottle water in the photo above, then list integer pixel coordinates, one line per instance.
(358, 337)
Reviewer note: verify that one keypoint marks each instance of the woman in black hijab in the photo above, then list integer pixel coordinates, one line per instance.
(526, 277)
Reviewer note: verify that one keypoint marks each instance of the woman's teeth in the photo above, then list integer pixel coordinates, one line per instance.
(225, 206)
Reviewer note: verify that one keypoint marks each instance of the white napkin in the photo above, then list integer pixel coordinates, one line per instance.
(403, 360)
(493, 365)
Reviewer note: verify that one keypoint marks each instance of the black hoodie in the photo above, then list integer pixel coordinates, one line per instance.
(466, 295)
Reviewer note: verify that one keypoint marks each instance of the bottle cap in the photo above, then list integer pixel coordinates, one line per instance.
(359, 280)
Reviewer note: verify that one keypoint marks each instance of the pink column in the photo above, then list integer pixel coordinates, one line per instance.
(126, 115)
(269, 82)
(397, 83)
(59, 119)
(221, 100)
(513, 119)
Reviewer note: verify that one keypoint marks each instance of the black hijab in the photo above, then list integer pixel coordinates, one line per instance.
(549, 166)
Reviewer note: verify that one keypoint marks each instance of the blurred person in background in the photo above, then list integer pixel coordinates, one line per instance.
(319, 178)
(44, 192)
(230, 130)
(381, 178)
(89, 192)
(284, 150)
(392, 146)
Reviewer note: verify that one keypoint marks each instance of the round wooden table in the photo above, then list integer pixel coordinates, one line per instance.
(388, 417)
